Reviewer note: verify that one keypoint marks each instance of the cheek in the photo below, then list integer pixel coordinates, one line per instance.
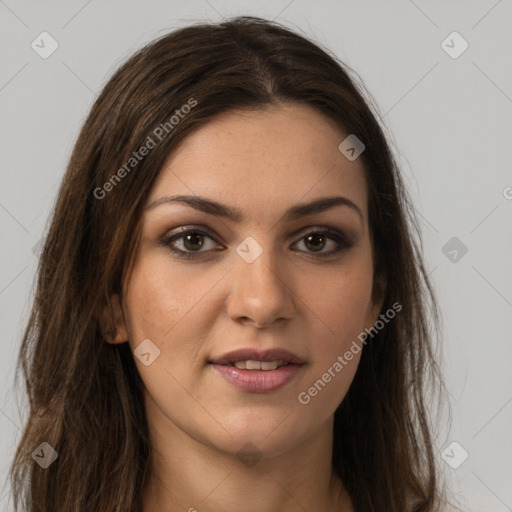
(340, 304)
(161, 294)
(340, 299)
(337, 349)
(174, 306)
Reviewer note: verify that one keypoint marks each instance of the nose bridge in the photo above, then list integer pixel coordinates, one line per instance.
(260, 292)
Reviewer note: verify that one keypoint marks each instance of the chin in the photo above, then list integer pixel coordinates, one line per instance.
(264, 439)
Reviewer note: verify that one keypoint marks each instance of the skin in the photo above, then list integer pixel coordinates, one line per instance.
(262, 162)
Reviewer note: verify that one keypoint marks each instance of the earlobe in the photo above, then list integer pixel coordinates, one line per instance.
(113, 324)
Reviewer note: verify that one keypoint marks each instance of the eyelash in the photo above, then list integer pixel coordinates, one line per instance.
(339, 238)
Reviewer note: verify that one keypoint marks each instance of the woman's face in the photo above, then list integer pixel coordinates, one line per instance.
(261, 280)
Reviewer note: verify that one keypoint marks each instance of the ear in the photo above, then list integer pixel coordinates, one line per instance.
(113, 324)
(380, 285)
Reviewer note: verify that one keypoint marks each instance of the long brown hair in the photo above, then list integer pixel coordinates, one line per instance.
(85, 394)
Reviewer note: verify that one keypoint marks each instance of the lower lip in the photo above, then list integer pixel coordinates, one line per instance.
(258, 381)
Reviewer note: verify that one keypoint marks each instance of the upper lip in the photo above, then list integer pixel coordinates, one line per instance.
(245, 354)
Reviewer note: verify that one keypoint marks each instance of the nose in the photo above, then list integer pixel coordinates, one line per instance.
(261, 292)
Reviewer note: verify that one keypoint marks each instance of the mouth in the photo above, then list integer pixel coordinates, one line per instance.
(251, 359)
(252, 365)
(258, 372)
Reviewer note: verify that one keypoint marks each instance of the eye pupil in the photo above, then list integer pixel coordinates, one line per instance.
(194, 237)
(316, 237)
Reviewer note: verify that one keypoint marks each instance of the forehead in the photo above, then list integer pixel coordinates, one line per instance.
(264, 160)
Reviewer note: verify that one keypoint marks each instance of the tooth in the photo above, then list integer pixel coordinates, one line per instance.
(259, 365)
(253, 365)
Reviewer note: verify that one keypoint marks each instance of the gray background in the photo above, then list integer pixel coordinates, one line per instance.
(450, 120)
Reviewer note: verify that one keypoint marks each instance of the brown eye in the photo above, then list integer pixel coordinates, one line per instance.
(193, 241)
(315, 242)
(189, 243)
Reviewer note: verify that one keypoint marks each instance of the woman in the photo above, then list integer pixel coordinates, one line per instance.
(231, 310)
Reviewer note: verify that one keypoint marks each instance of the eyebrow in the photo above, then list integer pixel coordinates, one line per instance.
(295, 212)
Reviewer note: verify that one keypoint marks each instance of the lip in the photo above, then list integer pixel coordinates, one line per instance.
(258, 381)
(257, 355)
